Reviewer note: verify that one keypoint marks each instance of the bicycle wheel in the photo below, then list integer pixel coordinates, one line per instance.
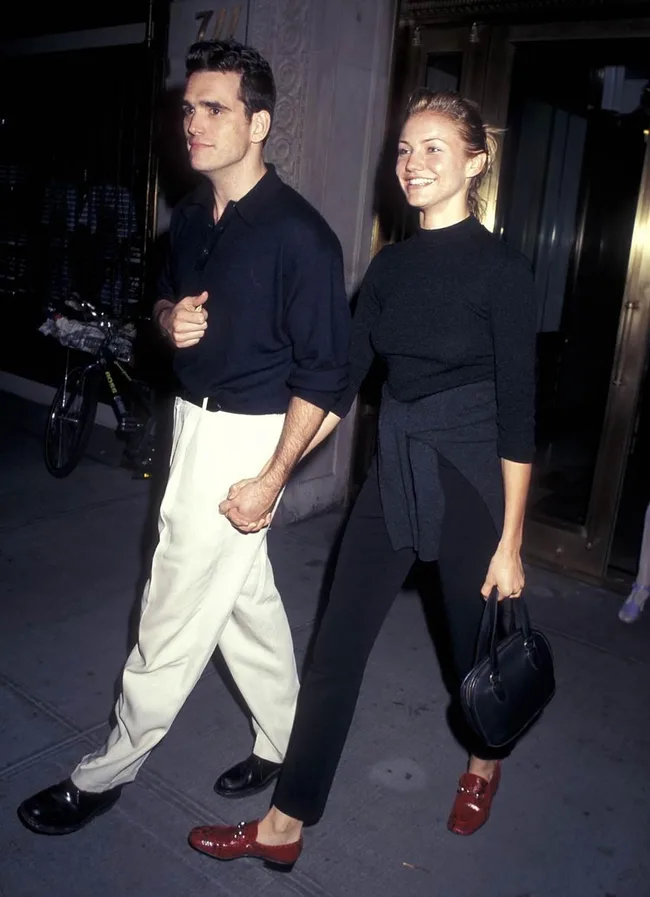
(70, 421)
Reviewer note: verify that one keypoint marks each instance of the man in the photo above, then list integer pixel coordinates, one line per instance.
(252, 298)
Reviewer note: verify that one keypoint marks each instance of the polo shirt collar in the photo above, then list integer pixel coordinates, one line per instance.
(253, 206)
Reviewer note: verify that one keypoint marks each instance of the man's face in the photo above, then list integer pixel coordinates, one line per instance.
(217, 130)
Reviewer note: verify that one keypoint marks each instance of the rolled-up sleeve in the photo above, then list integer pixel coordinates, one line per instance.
(514, 314)
(317, 319)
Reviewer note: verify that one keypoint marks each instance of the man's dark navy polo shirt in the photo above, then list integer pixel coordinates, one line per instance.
(278, 318)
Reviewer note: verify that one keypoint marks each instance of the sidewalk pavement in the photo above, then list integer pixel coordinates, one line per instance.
(572, 816)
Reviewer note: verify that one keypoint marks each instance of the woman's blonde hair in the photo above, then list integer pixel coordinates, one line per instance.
(475, 134)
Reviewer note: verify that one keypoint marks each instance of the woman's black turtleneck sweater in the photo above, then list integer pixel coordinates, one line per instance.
(447, 308)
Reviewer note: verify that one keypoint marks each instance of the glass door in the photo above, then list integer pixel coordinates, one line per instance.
(572, 192)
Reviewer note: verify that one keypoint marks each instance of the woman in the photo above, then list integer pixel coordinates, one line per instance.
(452, 313)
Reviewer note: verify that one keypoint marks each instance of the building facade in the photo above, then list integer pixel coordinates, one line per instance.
(565, 81)
(88, 212)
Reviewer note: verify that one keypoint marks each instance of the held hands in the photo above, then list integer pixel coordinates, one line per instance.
(186, 322)
(250, 503)
(505, 574)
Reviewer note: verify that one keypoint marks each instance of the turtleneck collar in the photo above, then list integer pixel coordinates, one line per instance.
(449, 234)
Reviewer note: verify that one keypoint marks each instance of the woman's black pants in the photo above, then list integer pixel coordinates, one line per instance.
(368, 577)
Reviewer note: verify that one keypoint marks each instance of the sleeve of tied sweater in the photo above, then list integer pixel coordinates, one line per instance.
(361, 351)
(513, 318)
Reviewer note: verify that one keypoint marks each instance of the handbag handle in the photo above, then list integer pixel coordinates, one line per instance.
(487, 637)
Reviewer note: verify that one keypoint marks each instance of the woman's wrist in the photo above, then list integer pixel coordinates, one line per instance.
(509, 545)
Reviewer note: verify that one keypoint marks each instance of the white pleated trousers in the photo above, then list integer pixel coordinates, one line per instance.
(210, 585)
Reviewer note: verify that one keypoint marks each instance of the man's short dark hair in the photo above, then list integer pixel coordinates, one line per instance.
(257, 88)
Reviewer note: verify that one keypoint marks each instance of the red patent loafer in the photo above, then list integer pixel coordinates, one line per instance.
(231, 842)
(471, 808)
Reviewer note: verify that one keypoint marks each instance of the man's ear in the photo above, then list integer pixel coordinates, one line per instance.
(260, 126)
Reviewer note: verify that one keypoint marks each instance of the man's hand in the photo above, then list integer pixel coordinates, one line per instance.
(185, 323)
(249, 505)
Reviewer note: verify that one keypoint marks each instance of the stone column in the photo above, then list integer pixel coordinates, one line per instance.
(331, 60)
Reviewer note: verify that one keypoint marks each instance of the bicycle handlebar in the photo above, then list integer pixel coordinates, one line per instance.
(101, 318)
(89, 311)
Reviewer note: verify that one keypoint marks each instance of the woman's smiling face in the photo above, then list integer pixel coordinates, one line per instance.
(433, 167)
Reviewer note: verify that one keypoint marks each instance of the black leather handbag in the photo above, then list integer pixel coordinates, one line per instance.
(513, 678)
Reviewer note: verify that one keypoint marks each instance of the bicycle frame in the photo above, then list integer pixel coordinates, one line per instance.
(111, 369)
(107, 360)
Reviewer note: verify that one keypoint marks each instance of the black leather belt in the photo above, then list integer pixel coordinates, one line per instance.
(212, 404)
(226, 403)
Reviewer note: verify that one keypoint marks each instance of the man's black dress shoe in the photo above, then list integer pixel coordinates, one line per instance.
(63, 808)
(248, 777)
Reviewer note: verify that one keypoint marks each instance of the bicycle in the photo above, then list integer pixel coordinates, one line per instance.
(72, 414)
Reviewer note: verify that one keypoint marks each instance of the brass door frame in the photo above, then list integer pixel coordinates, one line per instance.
(419, 13)
(585, 549)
